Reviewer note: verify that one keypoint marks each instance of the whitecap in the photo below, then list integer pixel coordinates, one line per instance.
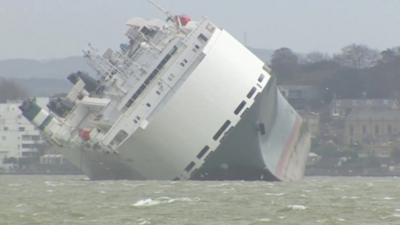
(350, 197)
(146, 203)
(161, 200)
(143, 221)
(396, 215)
(388, 198)
(341, 220)
(131, 185)
(53, 184)
(297, 207)
(275, 194)
(165, 200)
(171, 200)
(20, 205)
(265, 220)
(337, 189)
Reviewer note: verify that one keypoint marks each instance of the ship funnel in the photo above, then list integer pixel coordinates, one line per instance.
(29, 109)
(90, 83)
(35, 114)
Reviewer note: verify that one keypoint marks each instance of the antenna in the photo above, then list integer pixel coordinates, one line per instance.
(159, 7)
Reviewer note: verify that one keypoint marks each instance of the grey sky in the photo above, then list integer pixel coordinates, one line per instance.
(59, 28)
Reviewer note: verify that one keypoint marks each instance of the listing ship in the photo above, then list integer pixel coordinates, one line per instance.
(180, 100)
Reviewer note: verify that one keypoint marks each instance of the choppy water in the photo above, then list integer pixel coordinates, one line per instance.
(74, 200)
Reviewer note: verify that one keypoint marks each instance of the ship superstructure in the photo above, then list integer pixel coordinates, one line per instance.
(166, 105)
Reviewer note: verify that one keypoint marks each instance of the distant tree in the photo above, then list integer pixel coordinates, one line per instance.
(315, 57)
(346, 83)
(357, 57)
(383, 80)
(9, 90)
(388, 56)
(284, 63)
(395, 154)
(396, 50)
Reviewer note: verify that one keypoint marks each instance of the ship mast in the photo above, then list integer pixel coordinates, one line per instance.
(170, 16)
(159, 7)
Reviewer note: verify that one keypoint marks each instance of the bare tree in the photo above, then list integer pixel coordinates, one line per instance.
(357, 57)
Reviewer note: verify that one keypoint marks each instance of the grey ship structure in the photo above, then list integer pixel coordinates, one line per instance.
(181, 100)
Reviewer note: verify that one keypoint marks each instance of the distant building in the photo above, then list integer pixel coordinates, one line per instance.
(18, 137)
(300, 95)
(372, 124)
(342, 107)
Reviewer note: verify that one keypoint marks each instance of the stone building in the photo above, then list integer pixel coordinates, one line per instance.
(373, 124)
(340, 108)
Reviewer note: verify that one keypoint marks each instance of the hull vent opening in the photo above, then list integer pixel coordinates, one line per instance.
(261, 128)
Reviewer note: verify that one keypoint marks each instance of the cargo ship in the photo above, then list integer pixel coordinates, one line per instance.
(181, 99)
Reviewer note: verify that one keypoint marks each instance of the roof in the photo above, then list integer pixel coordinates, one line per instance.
(374, 114)
(366, 103)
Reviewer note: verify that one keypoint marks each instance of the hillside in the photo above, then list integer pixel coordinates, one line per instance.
(48, 77)
(54, 68)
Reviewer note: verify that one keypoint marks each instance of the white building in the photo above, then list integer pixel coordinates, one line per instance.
(18, 137)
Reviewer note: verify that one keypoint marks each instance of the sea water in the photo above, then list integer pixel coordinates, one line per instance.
(318, 200)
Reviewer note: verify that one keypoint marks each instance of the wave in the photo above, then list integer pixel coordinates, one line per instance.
(297, 207)
(161, 200)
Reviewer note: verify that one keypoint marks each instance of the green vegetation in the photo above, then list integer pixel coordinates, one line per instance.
(336, 151)
(9, 90)
(357, 71)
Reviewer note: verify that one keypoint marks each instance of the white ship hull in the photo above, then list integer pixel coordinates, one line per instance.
(223, 119)
(245, 153)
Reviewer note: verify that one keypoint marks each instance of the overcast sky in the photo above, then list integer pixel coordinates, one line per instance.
(44, 29)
